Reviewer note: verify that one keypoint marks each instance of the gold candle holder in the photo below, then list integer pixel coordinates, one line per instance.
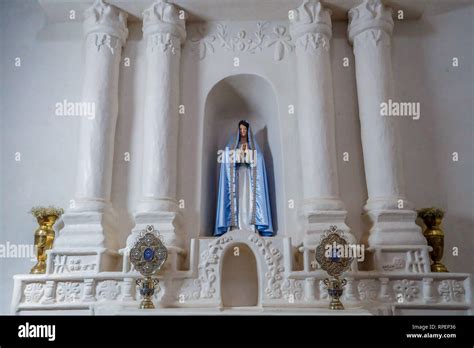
(433, 233)
(44, 234)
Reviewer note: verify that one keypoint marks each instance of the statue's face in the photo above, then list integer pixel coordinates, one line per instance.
(243, 131)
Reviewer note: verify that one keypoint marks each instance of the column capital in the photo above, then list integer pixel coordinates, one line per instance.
(106, 19)
(371, 14)
(164, 18)
(311, 18)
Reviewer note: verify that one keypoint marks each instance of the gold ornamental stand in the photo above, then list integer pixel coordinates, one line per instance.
(334, 264)
(147, 255)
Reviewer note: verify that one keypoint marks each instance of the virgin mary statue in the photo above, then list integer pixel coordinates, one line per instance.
(243, 201)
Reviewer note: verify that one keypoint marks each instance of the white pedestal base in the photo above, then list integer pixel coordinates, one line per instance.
(397, 242)
(201, 288)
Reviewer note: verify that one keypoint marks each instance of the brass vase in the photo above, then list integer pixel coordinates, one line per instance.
(433, 233)
(44, 235)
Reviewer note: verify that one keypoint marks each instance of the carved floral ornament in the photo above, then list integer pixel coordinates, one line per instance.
(33, 292)
(162, 11)
(370, 10)
(311, 12)
(108, 290)
(311, 25)
(310, 28)
(372, 20)
(163, 42)
(106, 20)
(406, 290)
(165, 19)
(106, 41)
(205, 38)
(451, 290)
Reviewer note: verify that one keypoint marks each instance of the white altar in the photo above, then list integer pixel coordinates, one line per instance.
(200, 78)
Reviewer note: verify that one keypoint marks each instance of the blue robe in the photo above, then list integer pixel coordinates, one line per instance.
(227, 202)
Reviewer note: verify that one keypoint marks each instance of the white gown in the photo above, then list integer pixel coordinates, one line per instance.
(244, 198)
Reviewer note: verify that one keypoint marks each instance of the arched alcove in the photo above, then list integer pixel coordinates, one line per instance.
(239, 277)
(233, 98)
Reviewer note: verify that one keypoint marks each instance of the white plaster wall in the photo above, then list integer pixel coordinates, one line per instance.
(52, 71)
(422, 65)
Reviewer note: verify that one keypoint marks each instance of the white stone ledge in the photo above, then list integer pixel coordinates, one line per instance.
(318, 275)
(56, 306)
(117, 291)
(230, 311)
(416, 305)
(399, 247)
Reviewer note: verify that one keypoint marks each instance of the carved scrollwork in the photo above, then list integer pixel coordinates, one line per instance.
(33, 292)
(323, 290)
(292, 290)
(208, 266)
(368, 289)
(70, 264)
(397, 263)
(272, 257)
(451, 290)
(108, 290)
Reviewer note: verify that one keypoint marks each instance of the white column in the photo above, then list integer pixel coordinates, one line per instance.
(164, 32)
(312, 29)
(88, 224)
(370, 29)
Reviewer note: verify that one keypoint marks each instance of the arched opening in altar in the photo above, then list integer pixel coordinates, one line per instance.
(239, 277)
(237, 97)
